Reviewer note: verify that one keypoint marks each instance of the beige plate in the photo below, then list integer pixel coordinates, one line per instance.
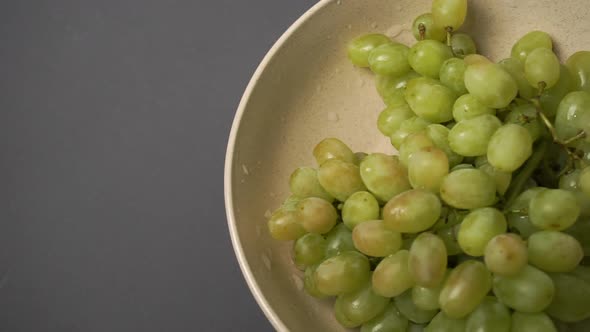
(305, 90)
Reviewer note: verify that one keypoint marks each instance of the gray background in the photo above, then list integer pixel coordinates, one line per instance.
(114, 117)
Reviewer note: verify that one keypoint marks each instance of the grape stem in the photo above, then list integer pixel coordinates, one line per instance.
(422, 30)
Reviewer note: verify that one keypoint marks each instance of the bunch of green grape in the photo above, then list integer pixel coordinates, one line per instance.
(481, 222)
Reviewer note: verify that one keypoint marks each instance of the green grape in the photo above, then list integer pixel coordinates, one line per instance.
(539, 322)
(309, 283)
(452, 73)
(338, 241)
(392, 276)
(542, 66)
(428, 260)
(553, 251)
(285, 226)
(342, 274)
(407, 307)
(473, 59)
(462, 44)
(573, 115)
(412, 143)
(333, 148)
(391, 89)
(316, 215)
(554, 209)
(468, 189)
(529, 291)
(510, 147)
(470, 137)
(506, 255)
(390, 320)
(359, 207)
(581, 231)
(571, 182)
(491, 84)
(449, 237)
(489, 316)
(412, 211)
(462, 166)
(443, 323)
(407, 127)
(430, 100)
(449, 13)
(530, 42)
(304, 183)
(439, 135)
(572, 298)
(579, 65)
(309, 250)
(582, 272)
(426, 298)
(290, 204)
(550, 98)
(430, 30)
(384, 175)
(465, 288)
(427, 168)
(468, 107)
(516, 69)
(359, 306)
(391, 118)
(360, 48)
(372, 238)
(526, 116)
(427, 56)
(340, 179)
(584, 181)
(478, 228)
(501, 178)
(390, 59)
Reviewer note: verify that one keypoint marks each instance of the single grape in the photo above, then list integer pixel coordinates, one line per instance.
(449, 237)
(468, 189)
(384, 175)
(462, 44)
(510, 147)
(427, 56)
(407, 307)
(428, 260)
(427, 168)
(579, 65)
(530, 291)
(430, 30)
(554, 209)
(573, 115)
(304, 183)
(360, 47)
(539, 322)
(439, 135)
(490, 315)
(309, 250)
(339, 240)
(290, 204)
(553, 251)
(309, 283)
(316, 215)
(530, 42)
(414, 142)
(392, 276)
(478, 228)
(359, 307)
(333, 148)
(572, 298)
(516, 69)
(391, 89)
(542, 67)
(372, 238)
(506, 254)
(391, 118)
(340, 179)
(582, 272)
(359, 207)
(471, 137)
(407, 127)
(449, 13)
(468, 107)
(550, 98)
(390, 59)
(473, 59)
(581, 231)
(464, 289)
(285, 226)
(430, 100)
(501, 178)
(443, 323)
(390, 320)
(342, 274)
(426, 298)
(491, 84)
(452, 74)
(412, 211)
(526, 116)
